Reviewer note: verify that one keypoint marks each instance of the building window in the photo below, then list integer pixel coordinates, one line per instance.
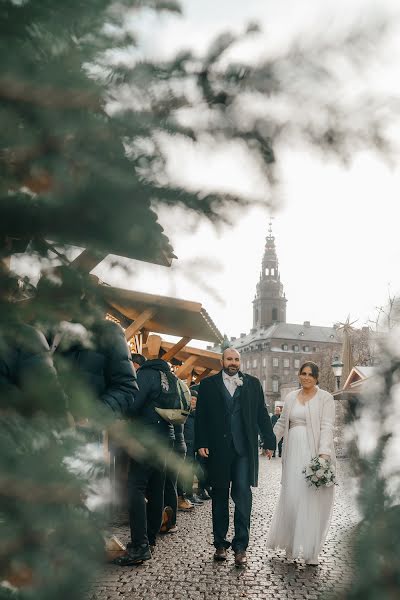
(296, 348)
(248, 364)
(275, 385)
(263, 385)
(254, 363)
(275, 362)
(315, 349)
(274, 314)
(264, 362)
(284, 346)
(286, 363)
(297, 363)
(267, 271)
(273, 272)
(306, 348)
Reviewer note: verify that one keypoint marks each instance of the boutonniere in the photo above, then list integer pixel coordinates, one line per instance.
(239, 382)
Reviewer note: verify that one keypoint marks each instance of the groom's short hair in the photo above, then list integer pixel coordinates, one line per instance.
(230, 348)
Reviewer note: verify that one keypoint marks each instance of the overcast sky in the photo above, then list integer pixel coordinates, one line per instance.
(337, 228)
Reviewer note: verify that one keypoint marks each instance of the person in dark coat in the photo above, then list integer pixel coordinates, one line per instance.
(28, 379)
(274, 420)
(26, 364)
(96, 350)
(195, 499)
(230, 412)
(171, 493)
(146, 480)
(104, 366)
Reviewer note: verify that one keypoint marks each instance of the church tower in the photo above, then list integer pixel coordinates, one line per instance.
(269, 304)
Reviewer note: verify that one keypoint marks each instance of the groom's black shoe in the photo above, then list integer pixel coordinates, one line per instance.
(220, 553)
(240, 558)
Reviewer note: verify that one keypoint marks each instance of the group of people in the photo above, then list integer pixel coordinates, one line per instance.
(228, 416)
(155, 491)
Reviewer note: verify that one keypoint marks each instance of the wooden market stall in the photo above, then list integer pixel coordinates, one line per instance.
(141, 313)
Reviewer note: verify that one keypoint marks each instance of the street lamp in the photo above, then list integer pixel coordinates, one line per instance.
(337, 367)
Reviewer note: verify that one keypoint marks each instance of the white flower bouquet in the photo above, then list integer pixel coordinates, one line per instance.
(320, 472)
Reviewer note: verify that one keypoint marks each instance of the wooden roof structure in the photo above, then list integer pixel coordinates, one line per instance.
(196, 361)
(161, 314)
(141, 313)
(356, 380)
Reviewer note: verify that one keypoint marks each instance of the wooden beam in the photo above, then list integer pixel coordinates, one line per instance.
(145, 335)
(153, 346)
(187, 367)
(175, 349)
(88, 260)
(202, 375)
(138, 323)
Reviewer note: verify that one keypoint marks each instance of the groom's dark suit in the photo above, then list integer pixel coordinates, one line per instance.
(228, 426)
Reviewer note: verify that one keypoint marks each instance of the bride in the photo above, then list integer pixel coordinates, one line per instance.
(302, 516)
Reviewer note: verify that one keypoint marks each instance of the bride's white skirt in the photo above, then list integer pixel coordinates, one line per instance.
(302, 515)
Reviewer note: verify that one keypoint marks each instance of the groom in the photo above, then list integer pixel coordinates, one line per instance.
(230, 412)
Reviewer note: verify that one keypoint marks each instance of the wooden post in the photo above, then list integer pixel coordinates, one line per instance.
(153, 346)
(187, 367)
(6, 262)
(203, 375)
(88, 260)
(175, 349)
(138, 323)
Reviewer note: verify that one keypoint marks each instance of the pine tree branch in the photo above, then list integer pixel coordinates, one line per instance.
(47, 96)
(31, 491)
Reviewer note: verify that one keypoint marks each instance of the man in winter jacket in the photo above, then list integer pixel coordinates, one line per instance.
(146, 479)
(28, 380)
(97, 354)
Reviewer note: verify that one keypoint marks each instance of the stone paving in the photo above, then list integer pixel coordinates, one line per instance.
(182, 567)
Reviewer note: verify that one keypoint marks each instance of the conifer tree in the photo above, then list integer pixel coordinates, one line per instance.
(73, 171)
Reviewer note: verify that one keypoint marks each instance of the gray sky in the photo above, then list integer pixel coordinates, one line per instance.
(336, 230)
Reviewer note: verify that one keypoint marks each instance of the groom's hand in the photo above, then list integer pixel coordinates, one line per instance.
(268, 453)
(203, 452)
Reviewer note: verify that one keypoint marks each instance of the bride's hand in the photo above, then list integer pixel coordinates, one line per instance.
(325, 456)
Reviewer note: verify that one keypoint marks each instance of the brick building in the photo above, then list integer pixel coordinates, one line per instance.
(274, 350)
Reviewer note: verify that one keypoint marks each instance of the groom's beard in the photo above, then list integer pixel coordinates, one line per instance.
(231, 370)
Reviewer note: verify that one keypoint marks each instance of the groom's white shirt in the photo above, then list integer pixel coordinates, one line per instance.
(230, 382)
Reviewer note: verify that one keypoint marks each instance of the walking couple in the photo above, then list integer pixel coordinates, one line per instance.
(230, 415)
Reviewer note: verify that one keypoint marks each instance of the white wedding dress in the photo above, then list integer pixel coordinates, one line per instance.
(302, 515)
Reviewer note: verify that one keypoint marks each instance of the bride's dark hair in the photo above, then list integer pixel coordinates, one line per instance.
(313, 366)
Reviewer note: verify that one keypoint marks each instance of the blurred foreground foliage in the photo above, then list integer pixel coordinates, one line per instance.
(374, 450)
(83, 161)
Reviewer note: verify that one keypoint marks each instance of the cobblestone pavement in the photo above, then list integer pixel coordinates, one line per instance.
(182, 567)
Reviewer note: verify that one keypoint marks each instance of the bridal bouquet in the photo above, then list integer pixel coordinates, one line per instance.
(320, 472)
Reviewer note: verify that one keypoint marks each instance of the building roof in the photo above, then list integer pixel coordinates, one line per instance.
(366, 371)
(357, 376)
(168, 316)
(291, 332)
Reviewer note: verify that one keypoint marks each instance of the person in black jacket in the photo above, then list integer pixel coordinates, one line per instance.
(28, 379)
(26, 365)
(178, 447)
(98, 353)
(191, 455)
(146, 480)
